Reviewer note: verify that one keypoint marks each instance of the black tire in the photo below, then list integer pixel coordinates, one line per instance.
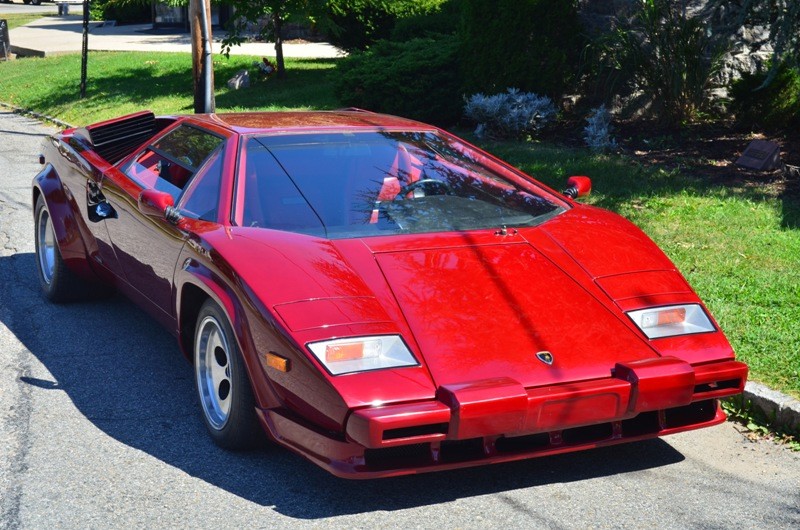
(58, 283)
(223, 386)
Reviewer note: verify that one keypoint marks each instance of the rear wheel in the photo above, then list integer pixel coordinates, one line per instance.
(223, 387)
(58, 283)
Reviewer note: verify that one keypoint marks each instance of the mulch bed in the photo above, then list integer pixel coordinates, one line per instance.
(706, 151)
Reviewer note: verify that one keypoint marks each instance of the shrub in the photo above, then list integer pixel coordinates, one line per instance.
(531, 44)
(124, 12)
(774, 106)
(359, 23)
(417, 79)
(441, 19)
(597, 133)
(513, 114)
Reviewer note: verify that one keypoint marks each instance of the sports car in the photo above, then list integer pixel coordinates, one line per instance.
(376, 294)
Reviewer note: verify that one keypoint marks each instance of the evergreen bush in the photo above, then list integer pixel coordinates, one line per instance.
(534, 45)
(416, 79)
(774, 106)
(120, 10)
(360, 23)
(442, 19)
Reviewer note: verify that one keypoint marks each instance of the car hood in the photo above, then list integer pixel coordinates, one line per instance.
(478, 305)
(483, 306)
(484, 312)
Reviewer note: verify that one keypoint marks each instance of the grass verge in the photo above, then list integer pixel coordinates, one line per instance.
(738, 247)
(20, 19)
(123, 82)
(758, 425)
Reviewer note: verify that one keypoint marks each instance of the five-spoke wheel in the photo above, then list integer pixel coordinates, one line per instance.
(213, 372)
(223, 386)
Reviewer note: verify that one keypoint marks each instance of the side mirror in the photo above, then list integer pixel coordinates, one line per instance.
(155, 203)
(578, 187)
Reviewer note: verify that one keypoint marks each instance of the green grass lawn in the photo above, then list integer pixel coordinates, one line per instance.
(20, 19)
(738, 247)
(123, 82)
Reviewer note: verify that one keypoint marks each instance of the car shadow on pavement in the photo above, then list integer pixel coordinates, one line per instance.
(126, 376)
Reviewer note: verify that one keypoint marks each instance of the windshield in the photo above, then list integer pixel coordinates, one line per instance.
(356, 184)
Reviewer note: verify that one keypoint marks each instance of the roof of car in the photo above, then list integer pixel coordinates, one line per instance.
(249, 122)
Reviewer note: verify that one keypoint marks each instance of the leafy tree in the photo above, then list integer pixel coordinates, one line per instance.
(350, 24)
(277, 12)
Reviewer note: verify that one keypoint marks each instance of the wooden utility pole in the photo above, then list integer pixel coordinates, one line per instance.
(202, 65)
(84, 47)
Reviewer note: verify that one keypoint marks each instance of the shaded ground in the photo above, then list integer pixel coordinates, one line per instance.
(705, 151)
(710, 151)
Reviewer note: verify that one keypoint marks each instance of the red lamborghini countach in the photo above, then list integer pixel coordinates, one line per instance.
(376, 294)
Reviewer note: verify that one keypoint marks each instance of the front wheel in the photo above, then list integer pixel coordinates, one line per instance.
(223, 386)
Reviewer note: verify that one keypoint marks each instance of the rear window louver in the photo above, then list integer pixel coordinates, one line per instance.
(115, 139)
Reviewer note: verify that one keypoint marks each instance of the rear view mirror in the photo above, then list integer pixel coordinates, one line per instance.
(578, 187)
(155, 203)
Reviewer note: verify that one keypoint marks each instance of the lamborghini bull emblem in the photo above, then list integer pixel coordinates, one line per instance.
(545, 356)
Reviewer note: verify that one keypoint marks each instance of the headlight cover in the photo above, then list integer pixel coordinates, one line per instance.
(669, 321)
(361, 354)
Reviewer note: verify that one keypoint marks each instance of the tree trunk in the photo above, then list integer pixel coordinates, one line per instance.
(202, 69)
(278, 21)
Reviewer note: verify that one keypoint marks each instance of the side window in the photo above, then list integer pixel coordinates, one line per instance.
(170, 163)
(201, 197)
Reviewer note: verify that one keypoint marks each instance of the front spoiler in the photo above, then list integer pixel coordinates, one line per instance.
(498, 420)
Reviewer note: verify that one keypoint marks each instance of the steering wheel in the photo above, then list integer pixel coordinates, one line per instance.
(425, 184)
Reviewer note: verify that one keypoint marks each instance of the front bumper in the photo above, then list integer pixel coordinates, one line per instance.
(498, 420)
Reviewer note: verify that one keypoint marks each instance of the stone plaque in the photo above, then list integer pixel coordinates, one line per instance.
(762, 155)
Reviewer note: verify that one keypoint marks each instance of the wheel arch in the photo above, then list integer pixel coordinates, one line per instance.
(68, 226)
(193, 292)
(200, 284)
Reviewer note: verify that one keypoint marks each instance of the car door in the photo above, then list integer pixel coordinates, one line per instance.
(185, 162)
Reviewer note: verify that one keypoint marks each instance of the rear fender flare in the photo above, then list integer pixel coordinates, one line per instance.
(74, 240)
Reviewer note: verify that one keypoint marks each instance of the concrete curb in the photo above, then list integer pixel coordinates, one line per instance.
(783, 411)
(37, 115)
(26, 52)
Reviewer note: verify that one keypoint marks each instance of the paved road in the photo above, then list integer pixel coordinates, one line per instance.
(99, 428)
(19, 7)
(59, 35)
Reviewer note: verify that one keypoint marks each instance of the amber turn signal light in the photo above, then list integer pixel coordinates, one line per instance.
(273, 360)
